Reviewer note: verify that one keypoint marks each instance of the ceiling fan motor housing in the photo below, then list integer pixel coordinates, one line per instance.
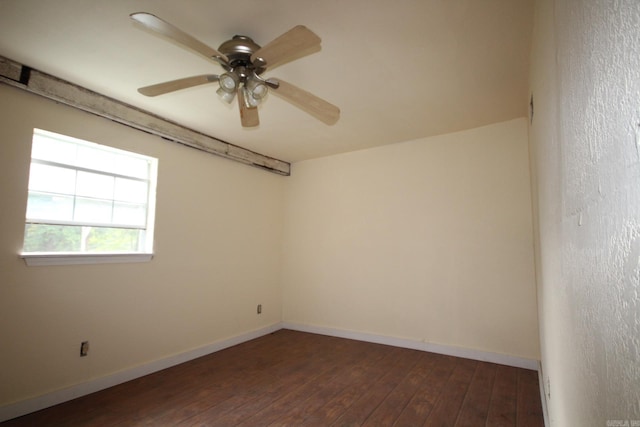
(239, 50)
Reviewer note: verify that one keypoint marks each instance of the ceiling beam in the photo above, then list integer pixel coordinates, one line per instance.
(23, 77)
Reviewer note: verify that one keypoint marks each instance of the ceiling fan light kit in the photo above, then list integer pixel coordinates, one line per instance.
(228, 86)
(256, 88)
(244, 61)
(226, 96)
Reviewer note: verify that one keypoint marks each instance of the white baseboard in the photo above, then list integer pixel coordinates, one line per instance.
(483, 356)
(24, 407)
(41, 402)
(543, 396)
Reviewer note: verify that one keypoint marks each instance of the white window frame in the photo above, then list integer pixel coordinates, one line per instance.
(65, 258)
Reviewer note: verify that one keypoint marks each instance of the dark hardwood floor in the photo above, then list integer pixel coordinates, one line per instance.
(292, 378)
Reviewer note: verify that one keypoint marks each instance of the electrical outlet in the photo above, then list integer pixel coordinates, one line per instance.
(84, 348)
(259, 310)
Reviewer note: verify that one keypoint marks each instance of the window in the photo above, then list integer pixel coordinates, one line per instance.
(89, 200)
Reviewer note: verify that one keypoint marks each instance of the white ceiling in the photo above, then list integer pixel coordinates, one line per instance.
(398, 70)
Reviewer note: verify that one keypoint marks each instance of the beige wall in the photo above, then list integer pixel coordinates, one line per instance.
(585, 136)
(428, 240)
(218, 234)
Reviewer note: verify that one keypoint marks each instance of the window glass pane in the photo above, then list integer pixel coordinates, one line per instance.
(74, 238)
(52, 149)
(135, 167)
(92, 157)
(49, 206)
(129, 190)
(95, 185)
(92, 211)
(51, 238)
(101, 239)
(130, 214)
(52, 179)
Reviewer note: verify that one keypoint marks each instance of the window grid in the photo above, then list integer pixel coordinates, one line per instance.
(82, 186)
(75, 196)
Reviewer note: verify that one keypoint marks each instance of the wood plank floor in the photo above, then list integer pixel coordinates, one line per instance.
(291, 378)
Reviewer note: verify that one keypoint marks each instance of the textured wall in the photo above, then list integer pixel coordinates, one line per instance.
(426, 240)
(585, 141)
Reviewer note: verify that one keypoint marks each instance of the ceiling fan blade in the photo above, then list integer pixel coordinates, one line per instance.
(295, 43)
(173, 85)
(307, 102)
(248, 116)
(162, 27)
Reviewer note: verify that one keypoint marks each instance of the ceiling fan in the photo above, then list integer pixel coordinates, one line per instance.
(244, 61)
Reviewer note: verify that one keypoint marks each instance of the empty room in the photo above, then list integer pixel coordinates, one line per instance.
(312, 213)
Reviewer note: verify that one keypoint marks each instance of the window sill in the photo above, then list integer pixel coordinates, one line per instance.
(38, 259)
